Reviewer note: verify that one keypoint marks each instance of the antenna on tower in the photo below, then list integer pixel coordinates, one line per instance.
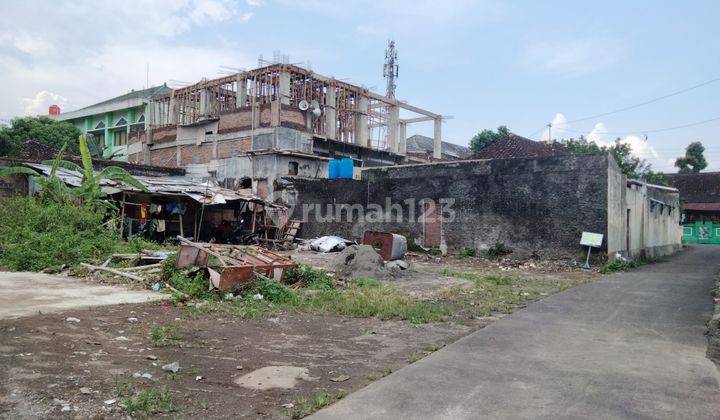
(390, 69)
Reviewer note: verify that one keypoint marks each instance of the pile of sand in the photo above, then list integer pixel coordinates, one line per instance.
(359, 261)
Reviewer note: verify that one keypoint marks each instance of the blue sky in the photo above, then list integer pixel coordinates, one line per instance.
(486, 63)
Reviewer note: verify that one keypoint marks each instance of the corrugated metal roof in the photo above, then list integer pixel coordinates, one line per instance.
(202, 192)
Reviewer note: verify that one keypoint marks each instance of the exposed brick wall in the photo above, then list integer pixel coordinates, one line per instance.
(292, 117)
(235, 121)
(137, 136)
(225, 148)
(163, 157)
(135, 158)
(164, 134)
(189, 153)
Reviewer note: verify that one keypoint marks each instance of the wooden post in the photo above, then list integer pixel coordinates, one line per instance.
(181, 224)
(122, 215)
(195, 224)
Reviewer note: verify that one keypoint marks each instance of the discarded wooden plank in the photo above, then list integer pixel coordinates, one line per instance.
(114, 271)
(142, 267)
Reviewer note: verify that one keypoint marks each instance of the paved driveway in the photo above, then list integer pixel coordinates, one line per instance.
(628, 346)
(23, 294)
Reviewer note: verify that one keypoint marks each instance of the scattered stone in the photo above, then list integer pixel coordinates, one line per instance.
(173, 367)
(239, 367)
(151, 357)
(257, 296)
(146, 375)
(199, 378)
(397, 265)
(109, 402)
(85, 390)
(288, 405)
(122, 338)
(340, 378)
(72, 319)
(132, 319)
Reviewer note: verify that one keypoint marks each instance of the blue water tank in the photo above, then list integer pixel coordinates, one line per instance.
(340, 168)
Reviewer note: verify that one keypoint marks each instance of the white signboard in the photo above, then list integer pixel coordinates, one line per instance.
(591, 239)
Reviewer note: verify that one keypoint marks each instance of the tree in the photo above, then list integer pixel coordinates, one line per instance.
(693, 161)
(42, 129)
(488, 137)
(630, 165)
(89, 193)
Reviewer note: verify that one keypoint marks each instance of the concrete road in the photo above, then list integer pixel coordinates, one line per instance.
(23, 294)
(628, 346)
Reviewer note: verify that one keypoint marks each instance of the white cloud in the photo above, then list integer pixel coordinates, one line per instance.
(254, 3)
(598, 135)
(40, 103)
(558, 129)
(573, 57)
(107, 54)
(640, 147)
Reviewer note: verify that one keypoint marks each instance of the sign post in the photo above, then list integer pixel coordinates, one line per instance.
(591, 240)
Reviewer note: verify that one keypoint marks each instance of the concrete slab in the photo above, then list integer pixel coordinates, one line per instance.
(630, 345)
(24, 294)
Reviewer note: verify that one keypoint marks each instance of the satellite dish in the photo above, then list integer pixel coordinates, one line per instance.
(303, 105)
(316, 108)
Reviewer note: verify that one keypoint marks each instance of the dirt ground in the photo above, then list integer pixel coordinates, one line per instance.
(52, 367)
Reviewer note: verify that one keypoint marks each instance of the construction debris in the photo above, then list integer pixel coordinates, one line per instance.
(329, 244)
(359, 261)
(390, 246)
(235, 263)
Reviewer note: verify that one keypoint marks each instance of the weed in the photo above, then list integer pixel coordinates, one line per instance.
(436, 251)
(377, 375)
(123, 388)
(310, 277)
(620, 264)
(35, 236)
(365, 282)
(164, 335)
(430, 348)
(304, 407)
(498, 250)
(150, 401)
(467, 252)
(271, 290)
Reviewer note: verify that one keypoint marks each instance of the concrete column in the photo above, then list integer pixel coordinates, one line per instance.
(437, 144)
(284, 88)
(204, 102)
(361, 123)
(274, 113)
(330, 112)
(394, 123)
(241, 97)
(149, 121)
(402, 146)
(171, 111)
(108, 141)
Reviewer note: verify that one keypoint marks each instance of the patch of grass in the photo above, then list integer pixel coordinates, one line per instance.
(36, 236)
(164, 335)
(123, 388)
(381, 374)
(310, 277)
(304, 407)
(467, 252)
(271, 290)
(495, 293)
(363, 301)
(436, 251)
(149, 402)
(135, 245)
(426, 351)
(497, 251)
(619, 264)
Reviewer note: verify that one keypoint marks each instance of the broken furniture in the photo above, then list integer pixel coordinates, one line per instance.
(233, 263)
(390, 246)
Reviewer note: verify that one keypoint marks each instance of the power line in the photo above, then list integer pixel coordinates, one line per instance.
(659, 98)
(657, 130)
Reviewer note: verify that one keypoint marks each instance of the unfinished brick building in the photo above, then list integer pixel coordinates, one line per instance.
(280, 120)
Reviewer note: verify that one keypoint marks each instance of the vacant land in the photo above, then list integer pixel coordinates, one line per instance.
(251, 358)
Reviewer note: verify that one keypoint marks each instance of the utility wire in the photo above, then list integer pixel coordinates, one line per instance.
(646, 102)
(657, 130)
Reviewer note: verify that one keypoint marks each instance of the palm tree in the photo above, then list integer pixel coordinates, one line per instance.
(89, 192)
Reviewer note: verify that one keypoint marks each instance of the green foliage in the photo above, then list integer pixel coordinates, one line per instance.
(467, 252)
(137, 244)
(630, 165)
(164, 335)
(193, 284)
(304, 407)
(150, 401)
(619, 264)
(310, 277)
(42, 129)
(436, 251)
(498, 250)
(36, 236)
(694, 159)
(271, 290)
(488, 137)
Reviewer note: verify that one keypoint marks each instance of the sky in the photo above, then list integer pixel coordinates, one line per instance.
(522, 64)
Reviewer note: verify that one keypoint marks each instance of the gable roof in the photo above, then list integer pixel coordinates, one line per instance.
(423, 144)
(520, 147)
(702, 187)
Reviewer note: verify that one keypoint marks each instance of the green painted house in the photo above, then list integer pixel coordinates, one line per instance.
(109, 123)
(700, 202)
